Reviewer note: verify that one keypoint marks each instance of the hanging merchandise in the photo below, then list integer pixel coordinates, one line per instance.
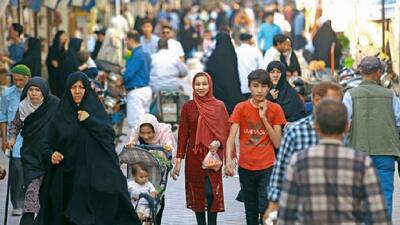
(34, 4)
(3, 6)
(78, 3)
(51, 4)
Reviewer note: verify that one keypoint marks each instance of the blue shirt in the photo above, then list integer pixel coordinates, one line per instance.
(297, 136)
(266, 34)
(8, 107)
(16, 51)
(137, 71)
(149, 46)
(299, 24)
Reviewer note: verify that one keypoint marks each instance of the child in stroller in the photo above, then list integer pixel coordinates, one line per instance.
(141, 184)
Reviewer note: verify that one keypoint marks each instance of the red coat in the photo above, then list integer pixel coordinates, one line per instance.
(194, 174)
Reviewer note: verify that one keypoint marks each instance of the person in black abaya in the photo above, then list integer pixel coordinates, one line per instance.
(35, 110)
(69, 64)
(284, 94)
(322, 41)
(188, 38)
(55, 56)
(223, 69)
(85, 185)
(289, 59)
(32, 56)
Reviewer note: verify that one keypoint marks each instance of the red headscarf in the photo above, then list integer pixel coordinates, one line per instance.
(213, 121)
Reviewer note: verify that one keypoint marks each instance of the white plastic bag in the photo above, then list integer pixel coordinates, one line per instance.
(212, 161)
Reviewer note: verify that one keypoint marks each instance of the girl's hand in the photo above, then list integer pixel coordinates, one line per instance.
(214, 146)
(177, 169)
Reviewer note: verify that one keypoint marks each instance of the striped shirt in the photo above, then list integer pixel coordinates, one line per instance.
(331, 184)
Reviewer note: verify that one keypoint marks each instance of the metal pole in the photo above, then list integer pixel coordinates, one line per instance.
(35, 23)
(19, 11)
(8, 189)
(117, 7)
(383, 25)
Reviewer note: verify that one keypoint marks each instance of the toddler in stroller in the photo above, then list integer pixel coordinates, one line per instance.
(148, 157)
(140, 184)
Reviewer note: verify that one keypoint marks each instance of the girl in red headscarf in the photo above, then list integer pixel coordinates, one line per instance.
(203, 120)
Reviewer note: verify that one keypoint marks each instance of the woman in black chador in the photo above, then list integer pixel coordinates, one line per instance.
(84, 185)
(35, 110)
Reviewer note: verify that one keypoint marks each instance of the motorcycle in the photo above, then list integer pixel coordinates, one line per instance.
(109, 88)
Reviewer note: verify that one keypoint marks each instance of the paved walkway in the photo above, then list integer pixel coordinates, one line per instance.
(176, 212)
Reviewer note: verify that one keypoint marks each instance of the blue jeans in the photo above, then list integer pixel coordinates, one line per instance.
(385, 166)
(254, 187)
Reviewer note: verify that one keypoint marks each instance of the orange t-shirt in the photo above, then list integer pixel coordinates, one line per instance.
(256, 148)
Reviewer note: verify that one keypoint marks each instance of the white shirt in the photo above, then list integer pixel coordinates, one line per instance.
(271, 55)
(175, 47)
(166, 67)
(249, 59)
(135, 189)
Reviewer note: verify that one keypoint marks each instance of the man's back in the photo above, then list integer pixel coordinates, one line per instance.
(166, 67)
(249, 59)
(332, 184)
(373, 125)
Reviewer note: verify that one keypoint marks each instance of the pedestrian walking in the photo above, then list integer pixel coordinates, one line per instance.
(166, 69)
(54, 59)
(84, 185)
(284, 94)
(249, 59)
(298, 136)
(17, 47)
(9, 105)
(375, 132)
(136, 80)
(289, 59)
(69, 63)
(35, 110)
(351, 193)
(188, 38)
(204, 120)
(323, 41)
(267, 31)
(259, 124)
(173, 45)
(148, 40)
(33, 56)
(223, 68)
(279, 45)
(100, 36)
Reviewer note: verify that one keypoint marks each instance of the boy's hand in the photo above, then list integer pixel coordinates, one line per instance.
(229, 171)
(262, 109)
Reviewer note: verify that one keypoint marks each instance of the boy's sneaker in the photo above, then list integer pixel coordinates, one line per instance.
(16, 212)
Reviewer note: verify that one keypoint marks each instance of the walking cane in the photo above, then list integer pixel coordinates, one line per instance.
(8, 188)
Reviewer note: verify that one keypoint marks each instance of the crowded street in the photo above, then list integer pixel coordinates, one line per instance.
(199, 112)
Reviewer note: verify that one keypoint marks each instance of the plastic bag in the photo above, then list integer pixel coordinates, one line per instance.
(212, 161)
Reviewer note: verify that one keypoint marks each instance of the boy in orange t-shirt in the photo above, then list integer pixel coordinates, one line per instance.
(259, 121)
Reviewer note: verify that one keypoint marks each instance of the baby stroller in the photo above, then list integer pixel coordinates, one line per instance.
(159, 168)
